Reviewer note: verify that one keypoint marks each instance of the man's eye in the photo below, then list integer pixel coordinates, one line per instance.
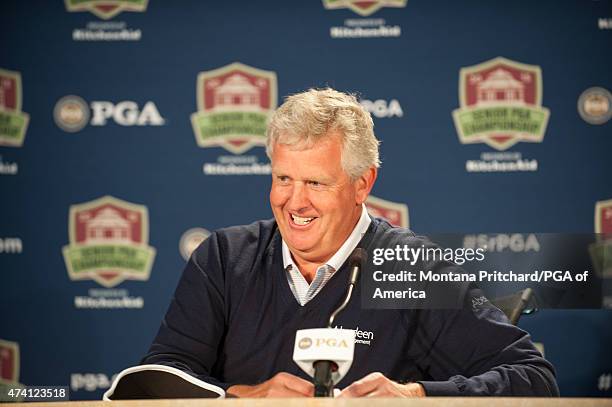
(283, 179)
(315, 184)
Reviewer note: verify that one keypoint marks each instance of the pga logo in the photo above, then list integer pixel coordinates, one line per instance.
(380, 108)
(126, 113)
(72, 113)
(90, 381)
(331, 343)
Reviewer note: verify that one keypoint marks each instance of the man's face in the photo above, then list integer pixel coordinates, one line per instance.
(314, 201)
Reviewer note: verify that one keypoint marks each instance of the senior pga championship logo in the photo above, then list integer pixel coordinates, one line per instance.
(394, 212)
(106, 9)
(501, 104)
(108, 242)
(601, 251)
(603, 217)
(9, 361)
(9, 371)
(13, 122)
(363, 7)
(234, 105)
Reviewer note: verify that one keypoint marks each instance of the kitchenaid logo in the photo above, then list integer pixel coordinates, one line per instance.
(501, 162)
(105, 10)
(72, 113)
(362, 337)
(237, 165)
(101, 298)
(364, 27)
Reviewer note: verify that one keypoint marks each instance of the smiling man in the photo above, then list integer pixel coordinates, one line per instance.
(315, 202)
(247, 289)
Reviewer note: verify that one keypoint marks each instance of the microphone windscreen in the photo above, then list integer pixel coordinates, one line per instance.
(358, 257)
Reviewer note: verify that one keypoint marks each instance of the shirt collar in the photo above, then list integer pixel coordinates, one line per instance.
(345, 250)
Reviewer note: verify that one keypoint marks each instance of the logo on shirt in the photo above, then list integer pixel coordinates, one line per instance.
(106, 9)
(108, 242)
(13, 122)
(501, 104)
(363, 7)
(234, 105)
(394, 212)
(361, 336)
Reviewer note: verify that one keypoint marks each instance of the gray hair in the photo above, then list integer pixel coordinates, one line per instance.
(309, 116)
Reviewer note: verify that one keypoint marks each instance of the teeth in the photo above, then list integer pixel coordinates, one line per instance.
(301, 221)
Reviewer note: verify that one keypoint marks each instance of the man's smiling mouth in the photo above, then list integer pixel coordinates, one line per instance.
(301, 221)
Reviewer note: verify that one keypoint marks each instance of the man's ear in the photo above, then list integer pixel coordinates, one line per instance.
(364, 184)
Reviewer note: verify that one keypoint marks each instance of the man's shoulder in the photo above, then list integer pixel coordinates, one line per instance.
(384, 232)
(255, 230)
(236, 249)
(245, 240)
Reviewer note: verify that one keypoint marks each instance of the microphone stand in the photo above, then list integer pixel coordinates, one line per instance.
(323, 383)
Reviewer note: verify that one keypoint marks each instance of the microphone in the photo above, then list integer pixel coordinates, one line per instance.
(326, 354)
(355, 260)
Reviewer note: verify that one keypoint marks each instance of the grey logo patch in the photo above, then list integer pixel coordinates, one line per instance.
(595, 105)
(71, 113)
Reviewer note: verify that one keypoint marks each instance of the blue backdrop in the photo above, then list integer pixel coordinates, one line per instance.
(73, 140)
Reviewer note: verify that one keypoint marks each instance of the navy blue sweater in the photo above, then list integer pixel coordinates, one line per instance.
(233, 319)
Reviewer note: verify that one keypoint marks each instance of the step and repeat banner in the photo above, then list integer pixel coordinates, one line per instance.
(131, 129)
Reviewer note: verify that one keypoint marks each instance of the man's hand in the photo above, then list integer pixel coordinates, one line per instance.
(281, 385)
(377, 385)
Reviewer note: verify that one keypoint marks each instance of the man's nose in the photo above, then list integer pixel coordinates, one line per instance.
(298, 199)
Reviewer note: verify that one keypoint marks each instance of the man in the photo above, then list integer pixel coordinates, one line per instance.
(247, 289)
